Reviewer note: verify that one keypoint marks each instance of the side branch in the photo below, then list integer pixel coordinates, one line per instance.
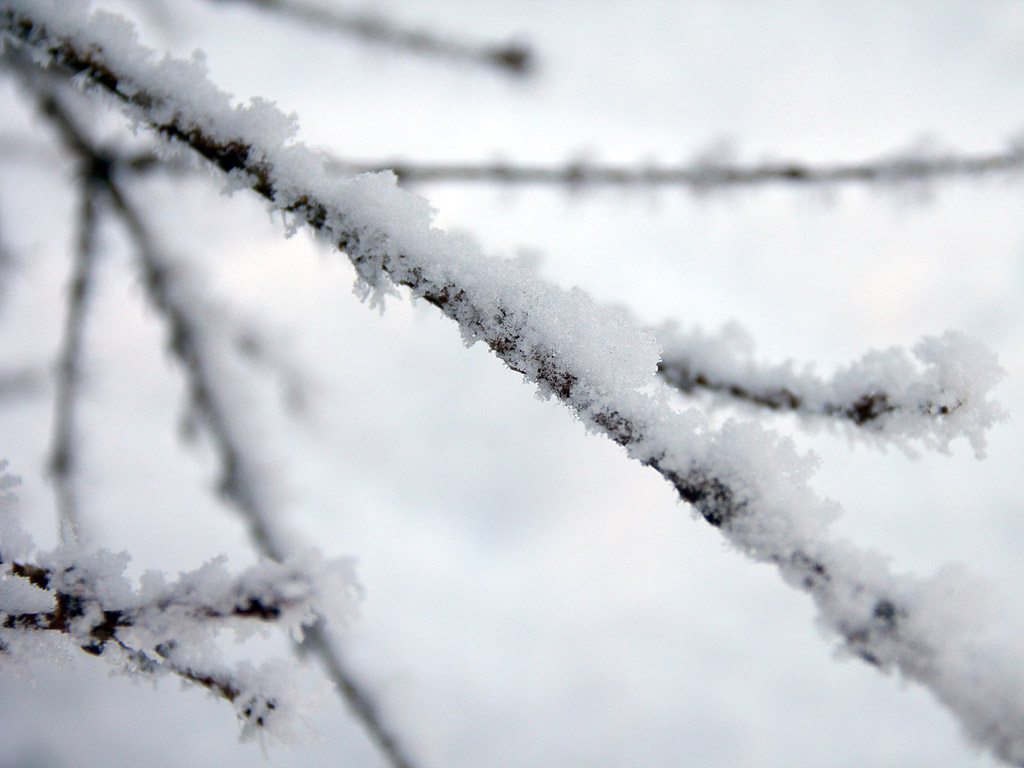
(934, 396)
(102, 615)
(75, 601)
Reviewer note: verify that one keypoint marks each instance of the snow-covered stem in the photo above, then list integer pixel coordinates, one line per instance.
(935, 395)
(747, 482)
(76, 595)
(160, 628)
(704, 175)
(243, 480)
(513, 58)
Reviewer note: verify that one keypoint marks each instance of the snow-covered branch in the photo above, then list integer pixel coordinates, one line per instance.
(936, 395)
(746, 481)
(143, 632)
(164, 627)
(72, 580)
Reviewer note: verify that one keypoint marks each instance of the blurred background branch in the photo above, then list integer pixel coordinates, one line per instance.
(704, 175)
(512, 58)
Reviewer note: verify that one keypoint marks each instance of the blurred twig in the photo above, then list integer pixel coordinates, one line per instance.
(94, 168)
(511, 57)
(700, 175)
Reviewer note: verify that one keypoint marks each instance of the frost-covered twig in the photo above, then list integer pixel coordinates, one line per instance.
(199, 343)
(76, 581)
(747, 482)
(705, 175)
(511, 57)
(162, 627)
(142, 630)
(934, 396)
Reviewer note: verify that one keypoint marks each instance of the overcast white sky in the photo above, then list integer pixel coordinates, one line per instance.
(533, 598)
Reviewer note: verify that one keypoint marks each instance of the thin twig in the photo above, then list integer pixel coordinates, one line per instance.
(699, 176)
(512, 57)
(63, 457)
(862, 410)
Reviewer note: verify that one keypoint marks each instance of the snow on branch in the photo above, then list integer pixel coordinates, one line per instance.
(934, 396)
(164, 627)
(511, 57)
(747, 482)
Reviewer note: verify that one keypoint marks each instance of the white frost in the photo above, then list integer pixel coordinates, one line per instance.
(934, 396)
